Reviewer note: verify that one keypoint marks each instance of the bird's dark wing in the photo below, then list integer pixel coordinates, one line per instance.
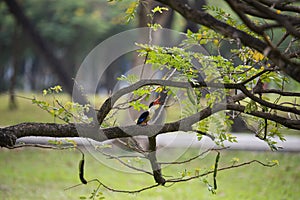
(143, 117)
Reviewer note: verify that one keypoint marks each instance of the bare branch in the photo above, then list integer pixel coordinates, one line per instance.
(220, 169)
(282, 93)
(236, 6)
(281, 5)
(192, 158)
(176, 180)
(124, 163)
(266, 103)
(284, 20)
(294, 124)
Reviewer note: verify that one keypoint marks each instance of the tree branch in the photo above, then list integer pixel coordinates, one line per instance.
(192, 158)
(236, 6)
(177, 180)
(281, 5)
(294, 124)
(282, 93)
(284, 20)
(201, 17)
(266, 103)
(220, 169)
(124, 163)
(153, 161)
(8, 135)
(109, 103)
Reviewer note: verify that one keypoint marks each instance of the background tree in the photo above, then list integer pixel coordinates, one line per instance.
(45, 50)
(258, 64)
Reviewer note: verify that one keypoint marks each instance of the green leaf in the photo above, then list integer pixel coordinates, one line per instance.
(45, 92)
(235, 160)
(275, 162)
(137, 105)
(251, 106)
(159, 9)
(56, 89)
(130, 78)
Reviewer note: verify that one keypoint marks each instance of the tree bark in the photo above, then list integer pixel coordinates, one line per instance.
(8, 135)
(153, 161)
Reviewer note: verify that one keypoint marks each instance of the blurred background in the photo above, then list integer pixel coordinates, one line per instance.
(69, 29)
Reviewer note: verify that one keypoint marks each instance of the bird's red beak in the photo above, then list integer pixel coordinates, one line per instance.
(156, 101)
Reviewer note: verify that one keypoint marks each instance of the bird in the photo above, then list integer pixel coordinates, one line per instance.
(147, 115)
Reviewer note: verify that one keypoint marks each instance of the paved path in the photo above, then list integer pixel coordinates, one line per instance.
(245, 142)
(184, 140)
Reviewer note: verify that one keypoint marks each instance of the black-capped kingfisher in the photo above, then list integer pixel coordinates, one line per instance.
(147, 115)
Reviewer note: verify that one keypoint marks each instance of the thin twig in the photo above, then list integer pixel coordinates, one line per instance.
(125, 164)
(220, 169)
(192, 158)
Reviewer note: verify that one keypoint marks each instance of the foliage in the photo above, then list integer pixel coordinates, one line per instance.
(67, 111)
(237, 67)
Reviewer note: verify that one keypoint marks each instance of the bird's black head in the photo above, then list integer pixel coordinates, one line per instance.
(155, 102)
(151, 104)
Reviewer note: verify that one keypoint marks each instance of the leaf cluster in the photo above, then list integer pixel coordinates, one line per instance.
(66, 111)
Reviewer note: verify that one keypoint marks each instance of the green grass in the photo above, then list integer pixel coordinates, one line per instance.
(43, 174)
(26, 111)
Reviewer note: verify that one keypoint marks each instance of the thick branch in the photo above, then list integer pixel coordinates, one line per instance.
(153, 161)
(8, 135)
(294, 124)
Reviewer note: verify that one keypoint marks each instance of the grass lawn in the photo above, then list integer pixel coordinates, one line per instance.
(43, 174)
(26, 111)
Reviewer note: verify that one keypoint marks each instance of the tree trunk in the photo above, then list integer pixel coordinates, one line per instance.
(16, 62)
(56, 65)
